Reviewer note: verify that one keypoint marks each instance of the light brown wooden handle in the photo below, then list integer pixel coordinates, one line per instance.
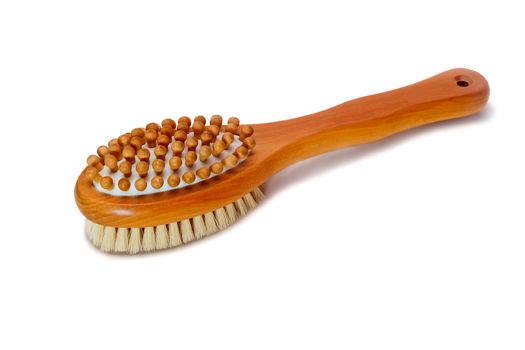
(451, 94)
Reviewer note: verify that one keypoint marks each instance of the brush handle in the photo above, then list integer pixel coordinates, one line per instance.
(452, 94)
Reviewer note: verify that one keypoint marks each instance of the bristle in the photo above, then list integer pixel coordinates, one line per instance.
(187, 231)
(121, 244)
(174, 234)
(199, 228)
(222, 218)
(136, 240)
(211, 224)
(241, 207)
(161, 237)
(97, 234)
(258, 194)
(148, 240)
(108, 242)
(135, 244)
(249, 201)
(232, 212)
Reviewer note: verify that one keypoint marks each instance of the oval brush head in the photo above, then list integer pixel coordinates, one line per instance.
(166, 157)
(165, 185)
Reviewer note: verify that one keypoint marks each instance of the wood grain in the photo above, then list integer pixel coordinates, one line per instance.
(452, 94)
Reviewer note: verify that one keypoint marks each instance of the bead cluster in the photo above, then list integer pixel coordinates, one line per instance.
(170, 155)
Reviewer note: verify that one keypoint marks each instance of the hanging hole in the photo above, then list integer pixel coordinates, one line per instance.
(462, 80)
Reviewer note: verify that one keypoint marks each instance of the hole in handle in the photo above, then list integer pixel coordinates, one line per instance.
(462, 80)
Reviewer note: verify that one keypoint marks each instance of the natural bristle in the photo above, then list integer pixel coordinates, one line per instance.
(148, 239)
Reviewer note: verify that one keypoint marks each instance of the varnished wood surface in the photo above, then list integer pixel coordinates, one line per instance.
(283, 143)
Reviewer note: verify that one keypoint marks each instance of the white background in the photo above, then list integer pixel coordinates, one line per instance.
(416, 242)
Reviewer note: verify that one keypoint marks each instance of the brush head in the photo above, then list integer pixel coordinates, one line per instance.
(167, 160)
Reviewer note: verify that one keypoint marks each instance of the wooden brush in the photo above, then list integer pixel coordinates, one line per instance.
(171, 183)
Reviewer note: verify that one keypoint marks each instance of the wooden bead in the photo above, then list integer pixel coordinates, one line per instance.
(142, 168)
(158, 166)
(124, 184)
(216, 120)
(106, 182)
(218, 147)
(204, 153)
(167, 130)
(249, 142)
(192, 143)
(241, 152)
(169, 122)
(141, 184)
(153, 126)
(102, 151)
(125, 168)
(163, 140)
(116, 150)
(190, 158)
(177, 147)
(91, 172)
(175, 163)
(94, 161)
(180, 135)
(214, 129)
(245, 131)
(216, 168)
(231, 128)
(230, 161)
(198, 127)
(185, 120)
(151, 138)
(206, 137)
(160, 151)
(129, 153)
(183, 126)
(188, 177)
(157, 182)
(112, 142)
(111, 162)
(203, 173)
(199, 118)
(227, 138)
(124, 139)
(137, 142)
(233, 120)
(173, 180)
(138, 132)
(143, 154)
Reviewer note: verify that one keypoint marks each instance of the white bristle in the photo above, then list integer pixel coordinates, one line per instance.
(222, 218)
(187, 231)
(241, 207)
(121, 244)
(211, 224)
(249, 201)
(136, 240)
(258, 194)
(135, 244)
(148, 240)
(232, 212)
(97, 234)
(199, 228)
(108, 242)
(161, 237)
(173, 231)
